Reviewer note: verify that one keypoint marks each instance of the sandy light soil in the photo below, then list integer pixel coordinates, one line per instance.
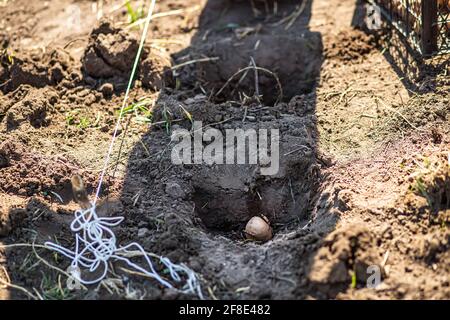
(364, 175)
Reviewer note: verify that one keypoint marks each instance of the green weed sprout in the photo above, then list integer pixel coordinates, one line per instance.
(141, 110)
(134, 15)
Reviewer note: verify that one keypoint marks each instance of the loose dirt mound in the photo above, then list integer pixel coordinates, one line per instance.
(28, 106)
(345, 254)
(109, 55)
(351, 45)
(27, 173)
(35, 68)
(12, 213)
(428, 205)
(109, 52)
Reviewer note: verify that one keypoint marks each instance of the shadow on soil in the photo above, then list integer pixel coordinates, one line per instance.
(245, 69)
(419, 75)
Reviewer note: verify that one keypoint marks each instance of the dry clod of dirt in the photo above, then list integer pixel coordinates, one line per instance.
(155, 71)
(34, 68)
(427, 206)
(12, 213)
(8, 154)
(107, 89)
(347, 250)
(4, 158)
(174, 190)
(432, 245)
(109, 52)
(429, 194)
(31, 106)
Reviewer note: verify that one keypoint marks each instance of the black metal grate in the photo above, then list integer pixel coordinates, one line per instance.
(443, 23)
(425, 24)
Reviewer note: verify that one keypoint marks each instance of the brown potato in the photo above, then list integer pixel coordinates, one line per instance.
(258, 229)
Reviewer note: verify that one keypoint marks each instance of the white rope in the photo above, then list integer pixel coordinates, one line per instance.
(96, 243)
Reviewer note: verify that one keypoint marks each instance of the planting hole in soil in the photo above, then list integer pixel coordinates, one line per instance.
(229, 198)
(276, 64)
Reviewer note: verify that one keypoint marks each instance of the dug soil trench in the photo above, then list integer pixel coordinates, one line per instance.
(363, 177)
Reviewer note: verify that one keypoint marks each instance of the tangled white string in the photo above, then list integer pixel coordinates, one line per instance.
(95, 245)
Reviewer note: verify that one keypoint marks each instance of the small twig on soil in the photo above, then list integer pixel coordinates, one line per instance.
(212, 124)
(137, 273)
(17, 287)
(343, 94)
(290, 19)
(164, 121)
(99, 9)
(241, 79)
(7, 246)
(291, 281)
(34, 246)
(292, 192)
(275, 8)
(295, 150)
(194, 61)
(245, 114)
(112, 284)
(385, 259)
(398, 113)
(280, 95)
(135, 198)
(168, 41)
(4, 84)
(57, 196)
(252, 63)
(296, 14)
(122, 141)
(256, 77)
(165, 14)
(8, 279)
(72, 41)
(211, 293)
(38, 294)
(8, 284)
(256, 12)
(48, 264)
(144, 147)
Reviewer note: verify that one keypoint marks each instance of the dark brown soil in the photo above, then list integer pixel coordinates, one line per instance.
(351, 45)
(364, 173)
